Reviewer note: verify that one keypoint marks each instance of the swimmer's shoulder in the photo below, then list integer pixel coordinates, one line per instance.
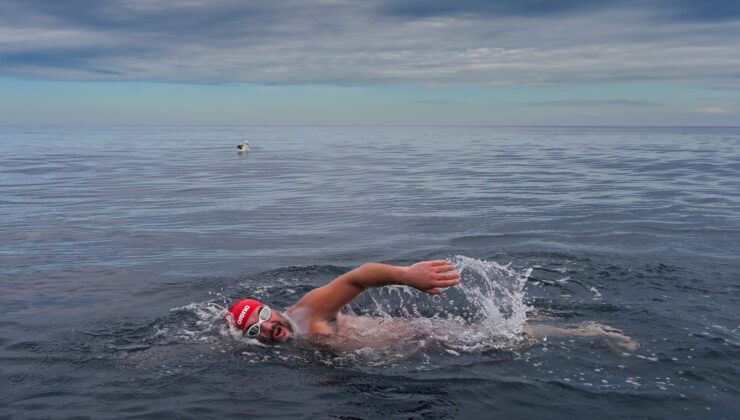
(306, 320)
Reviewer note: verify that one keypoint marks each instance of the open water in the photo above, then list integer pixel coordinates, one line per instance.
(120, 248)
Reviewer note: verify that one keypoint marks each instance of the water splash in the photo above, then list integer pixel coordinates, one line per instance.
(495, 292)
(485, 311)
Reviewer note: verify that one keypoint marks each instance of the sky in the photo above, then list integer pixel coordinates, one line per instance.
(233, 62)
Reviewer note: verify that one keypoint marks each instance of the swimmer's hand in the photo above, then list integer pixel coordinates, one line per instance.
(430, 276)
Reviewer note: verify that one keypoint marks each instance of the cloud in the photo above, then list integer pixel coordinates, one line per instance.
(437, 102)
(419, 43)
(721, 88)
(589, 103)
(673, 10)
(716, 111)
(426, 8)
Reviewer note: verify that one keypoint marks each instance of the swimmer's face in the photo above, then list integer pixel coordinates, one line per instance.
(276, 329)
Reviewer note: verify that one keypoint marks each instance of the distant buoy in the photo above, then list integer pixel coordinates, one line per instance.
(243, 148)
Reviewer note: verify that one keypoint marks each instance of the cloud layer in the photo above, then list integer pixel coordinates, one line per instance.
(419, 43)
(716, 111)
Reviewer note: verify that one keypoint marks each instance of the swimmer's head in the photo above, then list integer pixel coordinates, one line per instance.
(260, 322)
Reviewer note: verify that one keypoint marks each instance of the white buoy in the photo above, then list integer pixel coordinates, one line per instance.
(243, 148)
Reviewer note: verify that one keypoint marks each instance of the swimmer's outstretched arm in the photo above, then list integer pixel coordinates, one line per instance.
(427, 276)
(586, 329)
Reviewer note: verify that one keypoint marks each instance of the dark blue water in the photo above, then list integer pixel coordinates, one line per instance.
(121, 247)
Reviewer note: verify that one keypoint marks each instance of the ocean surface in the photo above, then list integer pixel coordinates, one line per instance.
(121, 248)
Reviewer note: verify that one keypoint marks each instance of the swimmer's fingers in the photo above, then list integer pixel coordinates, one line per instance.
(433, 291)
(446, 280)
(443, 268)
(443, 283)
(446, 283)
(448, 276)
(437, 263)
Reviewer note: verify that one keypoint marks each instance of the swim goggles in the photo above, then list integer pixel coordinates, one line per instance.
(264, 315)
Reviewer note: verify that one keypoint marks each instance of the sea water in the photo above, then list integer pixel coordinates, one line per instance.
(121, 248)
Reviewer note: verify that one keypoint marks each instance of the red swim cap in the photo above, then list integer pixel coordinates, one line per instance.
(240, 311)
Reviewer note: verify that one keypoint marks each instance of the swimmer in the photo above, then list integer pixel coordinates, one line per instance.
(318, 312)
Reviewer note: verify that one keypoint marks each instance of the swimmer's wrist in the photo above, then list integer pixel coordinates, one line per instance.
(402, 275)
